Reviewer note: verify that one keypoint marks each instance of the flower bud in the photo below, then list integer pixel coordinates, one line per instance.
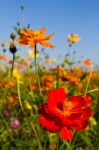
(12, 36)
(15, 123)
(6, 112)
(12, 48)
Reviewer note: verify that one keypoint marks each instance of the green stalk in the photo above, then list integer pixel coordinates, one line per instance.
(40, 147)
(36, 68)
(13, 64)
(57, 77)
(94, 90)
(32, 93)
(88, 80)
(19, 95)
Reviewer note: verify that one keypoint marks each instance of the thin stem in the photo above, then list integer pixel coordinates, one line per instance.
(22, 9)
(40, 147)
(50, 141)
(94, 90)
(89, 80)
(57, 77)
(19, 95)
(30, 84)
(36, 68)
(57, 142)
(12, 64)
(35, 55)
(70, 52)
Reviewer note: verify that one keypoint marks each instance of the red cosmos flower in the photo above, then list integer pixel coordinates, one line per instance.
(63, 115)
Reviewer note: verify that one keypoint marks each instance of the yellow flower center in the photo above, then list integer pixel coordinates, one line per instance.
(66, 107)
(36, 34)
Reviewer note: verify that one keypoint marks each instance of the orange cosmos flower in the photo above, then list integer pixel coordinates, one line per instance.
(87, 62)
(2, 57)
(32, 37)
(48, 81)
(12, 100)
(73, 38)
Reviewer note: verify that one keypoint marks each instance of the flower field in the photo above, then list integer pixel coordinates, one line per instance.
(45, 103)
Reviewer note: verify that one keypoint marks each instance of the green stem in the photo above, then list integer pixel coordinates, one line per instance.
(50, 141)
(40, 147)
(32, 93)
(57, 77)
(12, 64)
(36, 68)
(88, 80)
(19, 95)
(22, 9)
(70, 52)
(90, 91)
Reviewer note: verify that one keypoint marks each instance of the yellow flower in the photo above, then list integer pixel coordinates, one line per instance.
(28, 105)
(53, 59)
(31, 52)
(32, 37)
(17, 75)
(93, 121)
(3, 44)
(73, 38)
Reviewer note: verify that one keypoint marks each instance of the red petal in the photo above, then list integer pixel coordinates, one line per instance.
(80, 124)
(87, 100)
(84, 112)
(66, 134)
(56, 96)
(55, 101)
(77, 101)
(49, 121)
(87, 113)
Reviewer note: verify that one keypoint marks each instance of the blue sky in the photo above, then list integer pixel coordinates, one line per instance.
(62, 17)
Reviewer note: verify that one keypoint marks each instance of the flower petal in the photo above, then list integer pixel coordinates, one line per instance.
(42, 31)
(77, 101)
(49, 121)
(87, 100)
(80, 124)
(55, 101)
(56, 96)
(47, 44)
(66, 134)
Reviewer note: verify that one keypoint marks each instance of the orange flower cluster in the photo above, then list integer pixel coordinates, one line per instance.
(72, 77)
(87, 62)
(7, 84)
(32, 37)
(2, 57)
(48, 81)
(12, 99)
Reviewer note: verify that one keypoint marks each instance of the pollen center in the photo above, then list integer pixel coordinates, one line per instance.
(36, 34)
(66, 107)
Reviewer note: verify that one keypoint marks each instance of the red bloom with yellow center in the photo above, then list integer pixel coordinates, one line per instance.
(63, 115)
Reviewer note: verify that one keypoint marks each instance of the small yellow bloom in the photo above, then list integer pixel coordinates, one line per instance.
(17, 75)
(53, 59)
(28, 105)
(3, 44)
(73, 38)
(31, 53)
(93, 121)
